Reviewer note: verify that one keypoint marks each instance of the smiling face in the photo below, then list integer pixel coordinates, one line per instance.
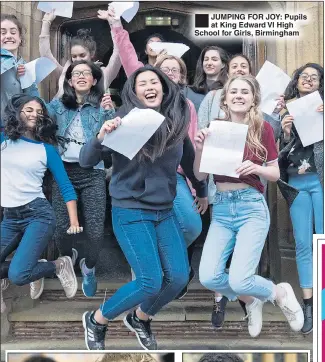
(308, 81)
(212, 63)
(78, 52)
(238, 66)
(82, 79)
(149, 51)
(10, 36)
(30, 114)
(148, 89)
(239, 97)
(172, 69)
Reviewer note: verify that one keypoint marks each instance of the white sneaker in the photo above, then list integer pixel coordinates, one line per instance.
(4, 286)
(255, 317)
(291, 308)
(74, 256)
(37, 287)
(67, 276)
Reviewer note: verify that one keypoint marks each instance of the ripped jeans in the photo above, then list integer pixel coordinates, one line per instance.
(240, 224)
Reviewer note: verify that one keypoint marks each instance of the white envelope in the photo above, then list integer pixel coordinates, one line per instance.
(273, 82)
(223, 149)
(174, 49)
(63, 9)
(125, 9)
(136, 129)
(36, 71)
(308, 122)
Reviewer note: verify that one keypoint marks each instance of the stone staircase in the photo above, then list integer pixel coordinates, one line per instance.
(54, 322)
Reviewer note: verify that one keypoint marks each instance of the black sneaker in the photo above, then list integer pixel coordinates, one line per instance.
(185, 290)
(243, 305)
(218, 312)
(94, 334)
(142, 330)
(308, 318)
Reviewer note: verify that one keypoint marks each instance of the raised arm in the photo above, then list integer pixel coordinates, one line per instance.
(44, 42)
(121, 40)
(204, 111)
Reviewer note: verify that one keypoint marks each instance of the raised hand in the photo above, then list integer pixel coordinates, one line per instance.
(108, 127)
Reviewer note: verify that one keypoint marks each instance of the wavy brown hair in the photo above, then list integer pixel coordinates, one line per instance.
(253, 118)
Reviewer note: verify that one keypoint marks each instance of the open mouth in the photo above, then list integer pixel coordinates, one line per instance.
(307, 84)
(9, 42)
(82, 82)
(150, 97)
(239, 103)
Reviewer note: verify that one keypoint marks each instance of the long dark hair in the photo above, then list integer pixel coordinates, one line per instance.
(199, 83)
(69, 98)
(84, 39)
(173, 107)
(292, 89)
(15, 127)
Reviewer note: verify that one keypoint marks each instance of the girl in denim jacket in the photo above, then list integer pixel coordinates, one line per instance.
(12, 65)
(79, 118)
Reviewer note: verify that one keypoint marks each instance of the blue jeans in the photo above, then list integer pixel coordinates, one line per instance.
(189, 220)
(240, 223)
(154, 246)
(307, 212)
(27, 230)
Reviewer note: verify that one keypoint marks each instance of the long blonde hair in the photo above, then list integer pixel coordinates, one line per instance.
(126, 357)
(253, 118)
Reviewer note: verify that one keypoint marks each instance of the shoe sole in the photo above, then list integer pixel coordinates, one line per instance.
(181, 297)
(85, 328)
(134, 331)
(42, 284)
(75, 278)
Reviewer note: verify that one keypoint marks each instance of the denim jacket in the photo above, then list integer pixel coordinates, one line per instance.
(10, 85)
(92, 118)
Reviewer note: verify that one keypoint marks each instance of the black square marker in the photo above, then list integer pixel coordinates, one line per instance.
(201, 20)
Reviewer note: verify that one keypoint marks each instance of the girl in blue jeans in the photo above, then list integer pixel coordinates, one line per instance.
(143, 190)
(302, 168)
(27, 151)
(240, 216)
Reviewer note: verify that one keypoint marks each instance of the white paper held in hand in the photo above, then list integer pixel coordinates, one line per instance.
(174, 49)
(135, 130)
(273, 82)
(36, 71)
(63, 9)
(308, 122)
(223, 149)
(125, 9)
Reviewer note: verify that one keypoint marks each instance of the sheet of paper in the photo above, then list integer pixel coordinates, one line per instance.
(136, 129)
(308, 122)
(125, 9)
(175, 49)
(63, 9)
(273, 82)
(36, 71)
(223, 149)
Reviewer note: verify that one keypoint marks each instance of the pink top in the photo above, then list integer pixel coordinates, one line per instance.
(130, 63)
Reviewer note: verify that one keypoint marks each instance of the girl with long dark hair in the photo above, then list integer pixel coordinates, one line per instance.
(303, 168)
(79, 117)
(143, 191)
(175, 68)
(12, 64)
(27, 151)
(82, 47)
(240, 216)
(210, 74)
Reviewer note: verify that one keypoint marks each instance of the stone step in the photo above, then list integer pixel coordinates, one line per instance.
(181, 310)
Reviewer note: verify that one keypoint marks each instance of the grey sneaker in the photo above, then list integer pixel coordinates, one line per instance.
(67, 276)
(94, 334)
(291, 308)
(255, 317)
(37, 287)
(4, 286)
(74, 256)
